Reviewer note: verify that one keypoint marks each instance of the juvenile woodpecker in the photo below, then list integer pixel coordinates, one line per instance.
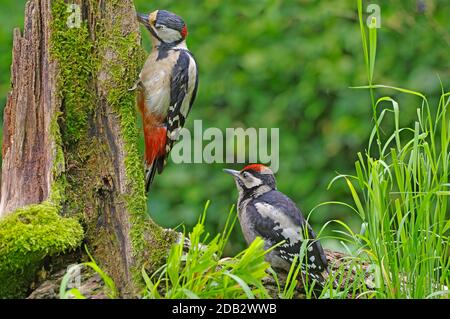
(265, 212)
(167, 87)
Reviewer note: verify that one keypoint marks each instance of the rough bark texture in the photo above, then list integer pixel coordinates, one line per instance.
(92, 286)
(28, 147)
(70, 132)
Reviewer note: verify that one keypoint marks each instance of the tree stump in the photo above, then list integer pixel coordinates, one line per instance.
(29, 150)
(70, 144)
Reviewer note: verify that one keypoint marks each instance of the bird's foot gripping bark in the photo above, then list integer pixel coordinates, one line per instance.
(137, 84)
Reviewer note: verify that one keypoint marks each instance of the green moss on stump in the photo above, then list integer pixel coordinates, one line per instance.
(27, 236)
(73, 49)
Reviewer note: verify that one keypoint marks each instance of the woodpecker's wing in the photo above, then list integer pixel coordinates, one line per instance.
(183, 91)
(277, 218)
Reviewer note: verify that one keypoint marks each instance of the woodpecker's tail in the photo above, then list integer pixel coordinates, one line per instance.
(150, 171)
(318, 277)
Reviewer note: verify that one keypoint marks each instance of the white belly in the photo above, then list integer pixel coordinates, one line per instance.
(156, 77)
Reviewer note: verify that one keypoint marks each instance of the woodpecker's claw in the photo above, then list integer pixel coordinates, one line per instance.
(135, 86)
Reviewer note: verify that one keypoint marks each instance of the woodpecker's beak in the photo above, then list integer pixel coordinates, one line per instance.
(232, 172)
(144, 19)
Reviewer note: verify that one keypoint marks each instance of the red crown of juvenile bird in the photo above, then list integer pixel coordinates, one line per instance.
(257, 168)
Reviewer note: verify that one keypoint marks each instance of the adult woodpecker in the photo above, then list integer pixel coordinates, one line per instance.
(265, 212)
(167, 87)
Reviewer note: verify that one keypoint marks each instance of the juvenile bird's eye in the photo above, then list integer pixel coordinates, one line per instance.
(245, 175)
(160, 27)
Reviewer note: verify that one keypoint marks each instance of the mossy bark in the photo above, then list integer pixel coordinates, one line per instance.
(93, 168)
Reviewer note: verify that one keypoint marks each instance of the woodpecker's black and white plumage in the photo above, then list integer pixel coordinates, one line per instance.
(167, 87)
(265, 212)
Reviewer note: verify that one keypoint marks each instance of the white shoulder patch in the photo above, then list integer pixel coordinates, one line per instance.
(289, 230)
(192, 77)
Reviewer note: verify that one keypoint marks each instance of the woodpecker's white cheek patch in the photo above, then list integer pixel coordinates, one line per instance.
(169, 35)
(251, 182)
(289, 230)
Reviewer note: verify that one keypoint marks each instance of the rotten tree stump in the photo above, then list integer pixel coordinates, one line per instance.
(28, 148)
(70, 137)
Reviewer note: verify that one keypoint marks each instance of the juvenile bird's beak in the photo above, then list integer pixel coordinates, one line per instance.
(144, 19)
(232, 172)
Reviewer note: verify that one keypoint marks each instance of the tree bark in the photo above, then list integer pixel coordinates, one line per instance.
(28, 149)
(70, 135)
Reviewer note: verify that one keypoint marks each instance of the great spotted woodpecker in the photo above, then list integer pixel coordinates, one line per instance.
(265, 212)
(167, 87)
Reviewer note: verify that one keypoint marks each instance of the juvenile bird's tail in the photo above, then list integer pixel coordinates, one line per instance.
(322, 278)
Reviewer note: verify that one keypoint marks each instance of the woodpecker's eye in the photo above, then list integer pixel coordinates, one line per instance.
(245, 175)
(160, 27)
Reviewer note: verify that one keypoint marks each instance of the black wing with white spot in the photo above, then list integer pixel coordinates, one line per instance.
(276, 219)
(265, 227)
(181, 85)
(315, 252)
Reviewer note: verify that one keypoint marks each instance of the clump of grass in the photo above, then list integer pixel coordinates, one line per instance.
(400, 191)
(401, 195)
(200, 272)
(195, 269)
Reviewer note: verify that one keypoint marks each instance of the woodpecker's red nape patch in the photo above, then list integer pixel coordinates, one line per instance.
(254, 167)
(184, 31)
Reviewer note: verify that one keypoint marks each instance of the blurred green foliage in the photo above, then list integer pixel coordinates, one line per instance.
(285, 64)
